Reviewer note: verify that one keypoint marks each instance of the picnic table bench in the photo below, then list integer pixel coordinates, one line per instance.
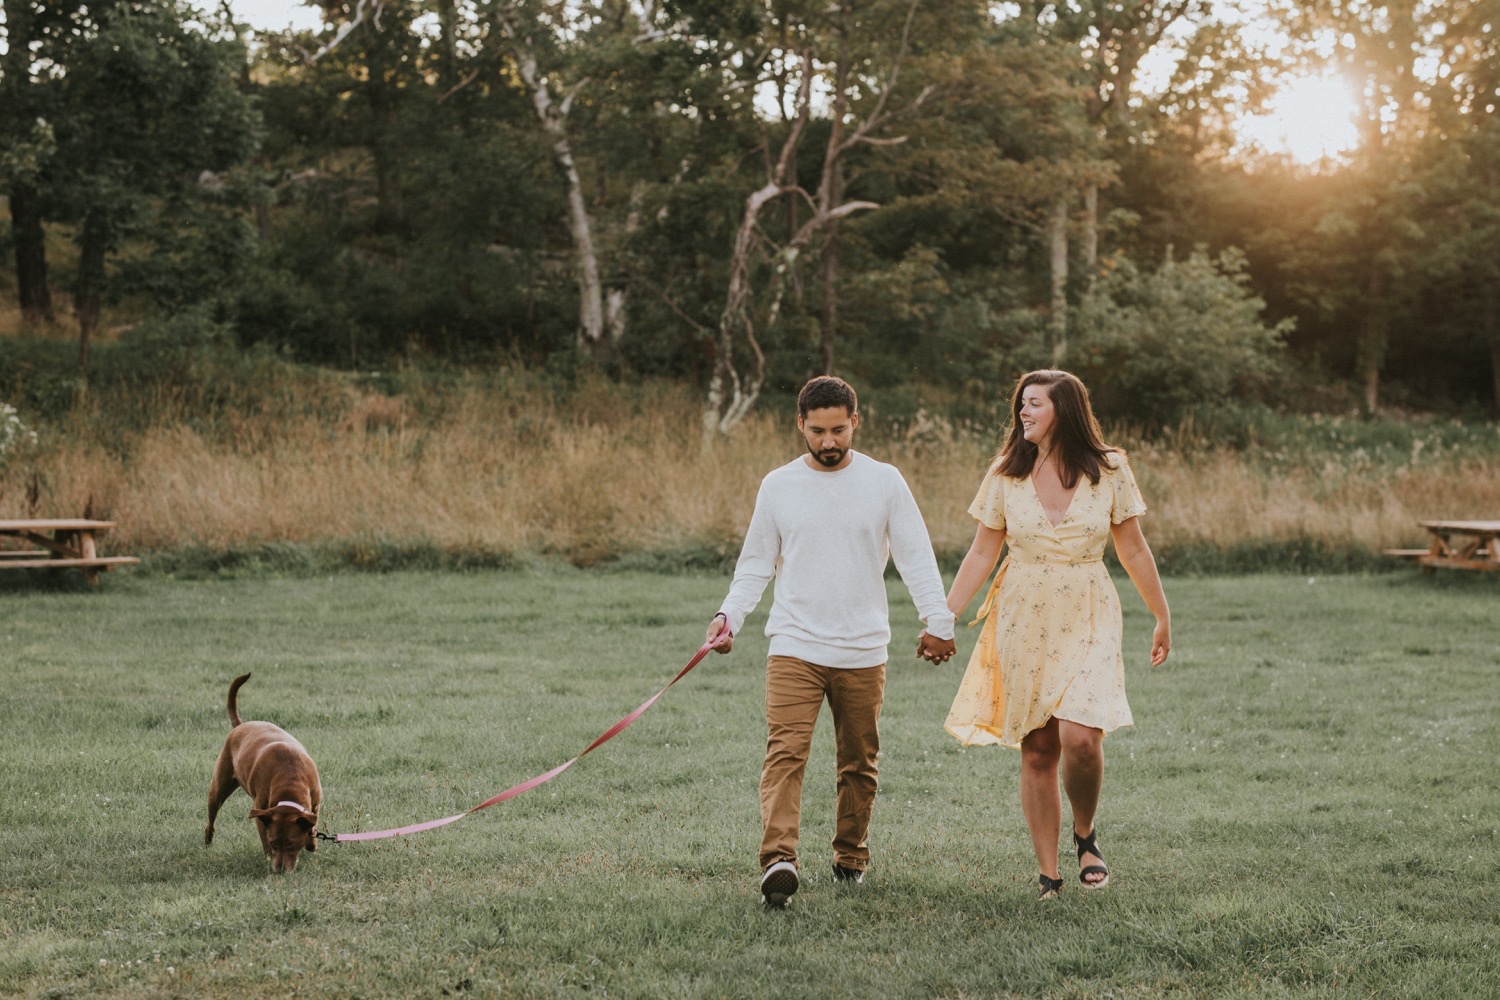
(1457, 545)
(64, 543)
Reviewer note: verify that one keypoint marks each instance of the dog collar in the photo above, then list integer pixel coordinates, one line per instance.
(295, 805)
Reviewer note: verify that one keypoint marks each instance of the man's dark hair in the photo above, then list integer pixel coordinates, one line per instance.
(825, 391)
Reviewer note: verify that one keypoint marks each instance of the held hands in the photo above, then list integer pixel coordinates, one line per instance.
(718, 629)
(935, 650)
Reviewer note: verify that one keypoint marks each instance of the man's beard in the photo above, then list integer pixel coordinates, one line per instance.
(829, 458)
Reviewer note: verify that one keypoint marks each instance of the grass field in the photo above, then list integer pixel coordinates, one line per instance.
(1307, 806)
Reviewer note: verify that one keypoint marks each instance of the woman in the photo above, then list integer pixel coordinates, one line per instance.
(1047, 675)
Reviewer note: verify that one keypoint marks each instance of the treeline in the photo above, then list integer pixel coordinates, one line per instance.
(924, 196)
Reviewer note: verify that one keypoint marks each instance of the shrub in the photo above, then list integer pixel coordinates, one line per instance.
(14, 434)
(1153, 347)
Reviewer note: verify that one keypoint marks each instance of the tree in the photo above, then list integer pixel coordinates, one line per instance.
(1155, 346)
(1110, 40)
(1377, 225)
(840, 50)
(145, 99)
(523, 30)
(27, 143)
(1460, 160)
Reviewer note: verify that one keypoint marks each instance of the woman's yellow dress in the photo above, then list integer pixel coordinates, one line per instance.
(1050, 643)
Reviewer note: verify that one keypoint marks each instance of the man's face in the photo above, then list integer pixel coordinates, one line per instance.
(828, 432)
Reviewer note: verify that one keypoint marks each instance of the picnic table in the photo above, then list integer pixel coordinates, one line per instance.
(59, 543)
(1457, 545)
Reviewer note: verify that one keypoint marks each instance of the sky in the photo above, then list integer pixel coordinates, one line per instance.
(273, 15)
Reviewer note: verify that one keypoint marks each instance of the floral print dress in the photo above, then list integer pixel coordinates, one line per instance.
(1050, 643)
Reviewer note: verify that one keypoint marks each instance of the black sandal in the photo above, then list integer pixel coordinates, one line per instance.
(1051, 887)
(1087, 845)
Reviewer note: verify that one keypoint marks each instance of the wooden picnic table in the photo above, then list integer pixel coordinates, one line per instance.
(59, 543)
(1457, 545)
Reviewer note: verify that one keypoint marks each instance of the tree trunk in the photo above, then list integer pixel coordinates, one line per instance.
(389, 211)
(730, 396)
(1369, 357)
(1091, 227)
(592, 324)
(93, 246)
(385, 148)
(34, 292)
(1491, 336)
(1057, 239)
(1495, 378)
(447, 12)
(828, 315)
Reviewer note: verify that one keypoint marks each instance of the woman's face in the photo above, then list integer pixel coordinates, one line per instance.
(1036, 415)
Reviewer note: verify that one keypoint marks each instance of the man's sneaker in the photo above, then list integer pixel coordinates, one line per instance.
(778, 883)
(848, 876)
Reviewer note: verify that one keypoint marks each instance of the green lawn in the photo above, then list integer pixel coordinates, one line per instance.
(1306, 807)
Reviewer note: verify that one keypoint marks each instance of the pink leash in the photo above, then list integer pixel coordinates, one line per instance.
(540, 779)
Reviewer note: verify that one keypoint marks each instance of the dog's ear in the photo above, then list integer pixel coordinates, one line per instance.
(308, 824)
(261, 814)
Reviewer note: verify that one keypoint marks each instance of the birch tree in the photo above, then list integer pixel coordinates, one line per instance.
(739, 368)
(544, 42)
(1111, 39)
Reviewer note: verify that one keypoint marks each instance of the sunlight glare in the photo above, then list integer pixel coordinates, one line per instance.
(1310, 119)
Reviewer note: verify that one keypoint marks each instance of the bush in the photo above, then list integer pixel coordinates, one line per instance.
(14, 434)
(1153, 347)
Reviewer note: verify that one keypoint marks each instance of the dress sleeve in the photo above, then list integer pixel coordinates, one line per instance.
(1125, 496)
(988, 507)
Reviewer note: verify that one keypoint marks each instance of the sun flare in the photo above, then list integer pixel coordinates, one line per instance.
(1310, 119)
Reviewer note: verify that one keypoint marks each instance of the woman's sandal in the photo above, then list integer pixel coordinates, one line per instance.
(1051, 887)
(1087, 845)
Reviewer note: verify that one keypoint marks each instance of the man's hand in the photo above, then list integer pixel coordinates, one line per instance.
(935, 650)
(719, 629)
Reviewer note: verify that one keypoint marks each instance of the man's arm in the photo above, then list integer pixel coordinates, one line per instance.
(754, 569)
(911, 548)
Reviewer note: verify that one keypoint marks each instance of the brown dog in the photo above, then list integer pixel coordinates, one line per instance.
(276, 772)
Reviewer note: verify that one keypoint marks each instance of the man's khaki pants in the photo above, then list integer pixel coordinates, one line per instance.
(795, 690)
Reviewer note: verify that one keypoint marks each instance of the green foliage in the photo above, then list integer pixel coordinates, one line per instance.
(398, 198)
(1153, 347)
(145, 100)
(15, 436)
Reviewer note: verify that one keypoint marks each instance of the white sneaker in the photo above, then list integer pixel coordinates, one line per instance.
(778, 884)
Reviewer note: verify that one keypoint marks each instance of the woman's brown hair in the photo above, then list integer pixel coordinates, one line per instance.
(1077, 440)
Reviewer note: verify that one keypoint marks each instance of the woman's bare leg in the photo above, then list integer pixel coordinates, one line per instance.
(1040, 802)
(1082, 777)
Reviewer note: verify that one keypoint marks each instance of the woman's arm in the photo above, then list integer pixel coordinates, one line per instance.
(1135, 555)
(979, 562)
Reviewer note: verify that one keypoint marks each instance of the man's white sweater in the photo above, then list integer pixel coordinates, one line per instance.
(826, 537)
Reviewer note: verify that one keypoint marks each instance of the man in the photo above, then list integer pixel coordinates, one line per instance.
(824, 526)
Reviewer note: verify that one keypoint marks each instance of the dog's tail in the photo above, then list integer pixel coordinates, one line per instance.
(234, 690)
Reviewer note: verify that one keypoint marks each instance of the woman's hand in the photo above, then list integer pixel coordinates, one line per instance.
(1161, 642)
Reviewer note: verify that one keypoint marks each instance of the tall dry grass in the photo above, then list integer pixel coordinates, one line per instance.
(511, 466)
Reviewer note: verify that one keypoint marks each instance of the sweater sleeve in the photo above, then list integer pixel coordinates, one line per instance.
(911, 548)
(757, 563)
